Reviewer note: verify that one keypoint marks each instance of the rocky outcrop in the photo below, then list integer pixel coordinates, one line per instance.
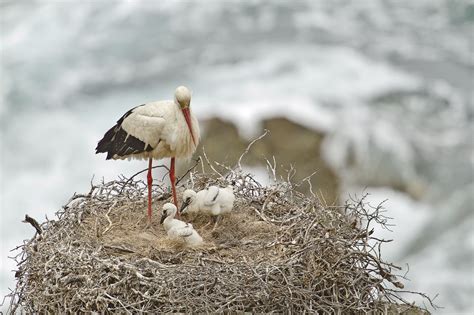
(290, 143)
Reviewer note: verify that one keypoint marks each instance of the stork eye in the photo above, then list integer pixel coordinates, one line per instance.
(188, 199)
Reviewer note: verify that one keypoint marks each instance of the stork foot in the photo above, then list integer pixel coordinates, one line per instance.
(148, 225)
(216, 222)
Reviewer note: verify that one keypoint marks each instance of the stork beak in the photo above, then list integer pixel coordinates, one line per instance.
(163, 217)
(187, 116)
(184, 205)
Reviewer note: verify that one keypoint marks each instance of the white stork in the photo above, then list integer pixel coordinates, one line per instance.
(213, 200)
(153, 131)
(179, 229)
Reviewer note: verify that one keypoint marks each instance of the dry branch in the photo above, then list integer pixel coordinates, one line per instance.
(279, 251)
(33, 222)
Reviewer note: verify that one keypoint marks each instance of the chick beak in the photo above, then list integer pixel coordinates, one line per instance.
(163, 217)
(184, 205)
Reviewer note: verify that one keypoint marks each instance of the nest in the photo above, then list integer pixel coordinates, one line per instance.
(278, 251)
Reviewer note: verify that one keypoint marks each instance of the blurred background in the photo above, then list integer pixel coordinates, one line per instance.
(376, 96)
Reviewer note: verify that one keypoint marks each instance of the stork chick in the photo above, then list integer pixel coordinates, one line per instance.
(178, 229)
(213, 200)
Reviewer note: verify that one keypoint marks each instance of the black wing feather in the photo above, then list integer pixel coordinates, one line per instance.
(117, 142)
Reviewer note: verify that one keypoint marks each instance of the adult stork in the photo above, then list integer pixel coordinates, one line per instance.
(153, 131)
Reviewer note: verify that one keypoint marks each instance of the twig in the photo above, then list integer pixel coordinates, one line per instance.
(239, 165)
(209, 162)
(33, 222)
(144, 170)
(189, 170)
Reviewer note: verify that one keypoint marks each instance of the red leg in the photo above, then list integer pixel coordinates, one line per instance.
(173, 180)
(150, 181)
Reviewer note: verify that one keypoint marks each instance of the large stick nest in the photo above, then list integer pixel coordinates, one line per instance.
(279, 251)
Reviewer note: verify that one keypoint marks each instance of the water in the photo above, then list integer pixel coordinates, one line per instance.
(390, 82)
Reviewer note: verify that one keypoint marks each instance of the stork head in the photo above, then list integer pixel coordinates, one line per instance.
(169, 210)
(189, 196)
(182, 97)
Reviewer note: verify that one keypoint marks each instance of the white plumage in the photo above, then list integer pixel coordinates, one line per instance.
(213, 200)
(153, 131)
(194, 202)
(179, 229)
(162, 126)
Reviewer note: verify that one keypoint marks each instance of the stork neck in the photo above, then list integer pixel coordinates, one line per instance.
(168, 222)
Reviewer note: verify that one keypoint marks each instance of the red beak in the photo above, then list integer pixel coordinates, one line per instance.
(187, 116)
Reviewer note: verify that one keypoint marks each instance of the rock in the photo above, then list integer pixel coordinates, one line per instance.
(290, 143)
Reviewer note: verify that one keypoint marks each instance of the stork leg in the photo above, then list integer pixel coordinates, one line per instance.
(216, 219)
(150, 181)
(173, 182)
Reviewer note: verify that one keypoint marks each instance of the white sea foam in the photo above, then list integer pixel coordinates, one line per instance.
(305, 83)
